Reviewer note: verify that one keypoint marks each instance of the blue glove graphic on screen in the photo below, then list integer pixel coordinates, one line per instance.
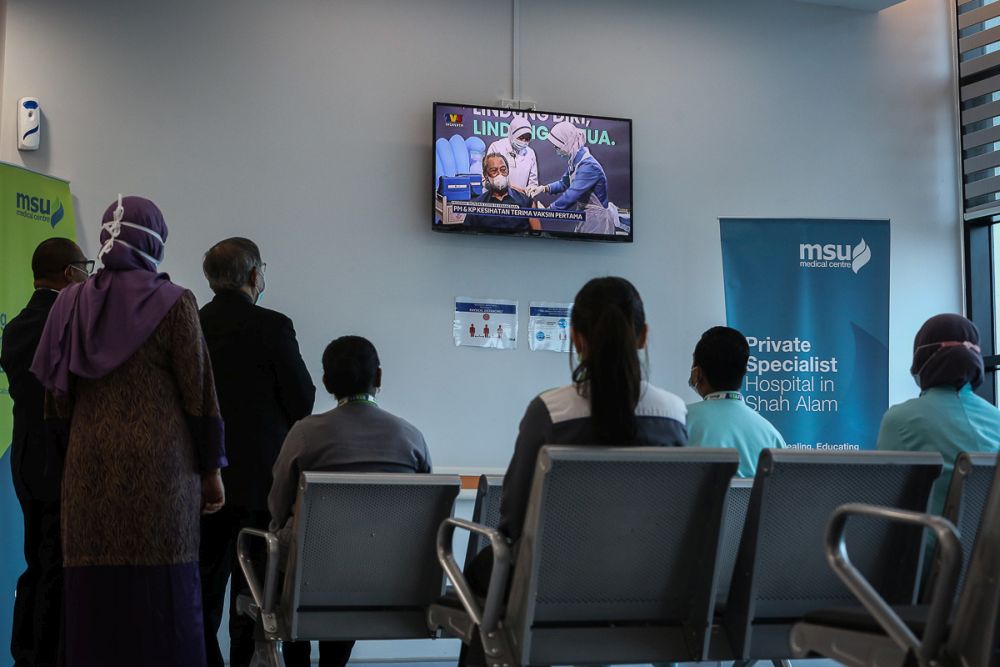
(456, 156)
(477, 150)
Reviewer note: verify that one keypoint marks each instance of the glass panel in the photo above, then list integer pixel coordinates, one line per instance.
(996, 287)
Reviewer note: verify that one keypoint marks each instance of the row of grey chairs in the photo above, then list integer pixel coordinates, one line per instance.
(628, 555)
(966, 578)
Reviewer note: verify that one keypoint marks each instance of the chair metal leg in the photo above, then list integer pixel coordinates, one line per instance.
(266, 654)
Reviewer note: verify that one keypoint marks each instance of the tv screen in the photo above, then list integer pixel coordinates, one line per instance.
(532, 173)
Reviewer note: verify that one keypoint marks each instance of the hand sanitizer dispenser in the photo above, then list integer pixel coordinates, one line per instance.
(29, 124)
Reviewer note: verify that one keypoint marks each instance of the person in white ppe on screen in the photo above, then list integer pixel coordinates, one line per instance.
(584, 186)
(519, 155)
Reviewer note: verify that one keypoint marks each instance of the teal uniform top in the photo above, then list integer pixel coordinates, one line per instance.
(723, 419)
(942, 420)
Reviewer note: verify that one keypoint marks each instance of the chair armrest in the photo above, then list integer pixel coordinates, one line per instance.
(944, 587)
(263, 597)
(487, 618)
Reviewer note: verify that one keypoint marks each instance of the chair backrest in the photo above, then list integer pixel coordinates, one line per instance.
(620, 536)
(781, 570)
(736, 514)
(367, 541)
(964, 506)
(486, 512)
(974, 638)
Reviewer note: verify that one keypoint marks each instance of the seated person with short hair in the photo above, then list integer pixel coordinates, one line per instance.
(355, 436)
(722, 418)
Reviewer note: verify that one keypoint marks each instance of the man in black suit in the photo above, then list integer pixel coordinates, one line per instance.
(263, 388)
(37, 471)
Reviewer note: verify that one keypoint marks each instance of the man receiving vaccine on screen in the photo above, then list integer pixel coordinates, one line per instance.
(584, 186)
(520, 156)
(498, 193)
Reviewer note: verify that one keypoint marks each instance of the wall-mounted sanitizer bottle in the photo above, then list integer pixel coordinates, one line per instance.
(29, 124)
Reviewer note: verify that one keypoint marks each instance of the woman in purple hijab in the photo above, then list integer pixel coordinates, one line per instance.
(132, 403)
(948, 417)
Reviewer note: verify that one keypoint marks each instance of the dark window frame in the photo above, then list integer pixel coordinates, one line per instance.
(981, 296)
(977, 66)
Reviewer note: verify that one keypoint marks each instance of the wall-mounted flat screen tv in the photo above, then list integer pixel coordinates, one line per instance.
(532, 173)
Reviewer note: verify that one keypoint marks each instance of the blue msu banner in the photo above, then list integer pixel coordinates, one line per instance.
(812, 298)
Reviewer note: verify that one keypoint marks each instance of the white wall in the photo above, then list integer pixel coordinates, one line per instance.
(307, 126)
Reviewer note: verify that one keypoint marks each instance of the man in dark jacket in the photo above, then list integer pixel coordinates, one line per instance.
(37, 470)
(263, 388)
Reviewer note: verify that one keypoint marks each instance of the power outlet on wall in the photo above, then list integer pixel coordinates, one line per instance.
(522, 105)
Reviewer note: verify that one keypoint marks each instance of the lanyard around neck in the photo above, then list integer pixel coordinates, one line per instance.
(366, 399)
(724, 396)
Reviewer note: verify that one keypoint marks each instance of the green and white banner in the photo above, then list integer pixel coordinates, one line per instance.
(33, 207)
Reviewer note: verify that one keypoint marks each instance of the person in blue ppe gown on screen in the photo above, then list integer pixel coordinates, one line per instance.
(948, 417)
(521, 160)
(584, 186)
(498, 193)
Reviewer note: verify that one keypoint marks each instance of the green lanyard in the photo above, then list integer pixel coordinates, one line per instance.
(725, 396)
(366, 399)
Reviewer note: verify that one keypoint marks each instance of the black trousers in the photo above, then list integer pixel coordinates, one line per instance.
(218, 563)
(331, 654)
(478, 575)
(36, 639)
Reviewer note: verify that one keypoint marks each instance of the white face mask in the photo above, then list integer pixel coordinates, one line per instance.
(564, 154)
(969, 345)
(498, 183)
(261, 286)
(518, 145)
(114, 227)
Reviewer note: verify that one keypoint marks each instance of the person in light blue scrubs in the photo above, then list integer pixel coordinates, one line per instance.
(722, 418)
(948, 417)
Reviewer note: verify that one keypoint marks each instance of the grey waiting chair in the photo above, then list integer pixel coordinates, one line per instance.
(362, 563)
(964, 506)
(781, 574)
(617, 562)
(883, 635)
(737, 504)
(486, 512)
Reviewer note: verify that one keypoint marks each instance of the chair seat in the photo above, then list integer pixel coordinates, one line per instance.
(859, 620)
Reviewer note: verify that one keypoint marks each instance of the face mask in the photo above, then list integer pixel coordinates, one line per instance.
(114, 228)
(969, 345)
(261, 286)
(518, 145)
(563, 154)
(498, 183)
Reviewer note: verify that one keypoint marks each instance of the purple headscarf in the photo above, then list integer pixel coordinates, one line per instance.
(96, 326)
(946, 353)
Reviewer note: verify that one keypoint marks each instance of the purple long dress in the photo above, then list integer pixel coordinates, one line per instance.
(132, 399)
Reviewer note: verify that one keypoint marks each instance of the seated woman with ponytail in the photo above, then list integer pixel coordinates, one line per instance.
(608, 403)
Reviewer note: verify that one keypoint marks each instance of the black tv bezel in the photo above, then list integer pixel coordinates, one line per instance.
(567, 236)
